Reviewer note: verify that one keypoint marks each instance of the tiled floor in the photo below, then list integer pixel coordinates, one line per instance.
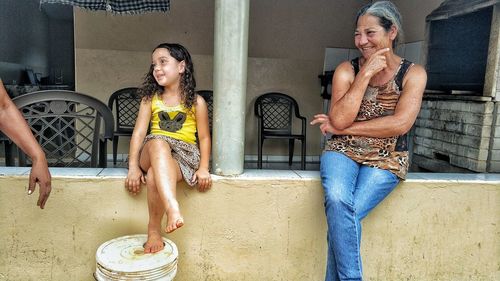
(312, 166)
(251, 165)
(282, 166)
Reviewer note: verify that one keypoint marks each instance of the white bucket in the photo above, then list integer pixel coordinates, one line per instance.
(123, 258)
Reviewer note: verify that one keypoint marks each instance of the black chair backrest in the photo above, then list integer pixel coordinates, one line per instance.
(126, 102)
(67, 125)
(208, 96)
(275, 110)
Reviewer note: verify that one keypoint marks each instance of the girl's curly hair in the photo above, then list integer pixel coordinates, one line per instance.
(187, 84)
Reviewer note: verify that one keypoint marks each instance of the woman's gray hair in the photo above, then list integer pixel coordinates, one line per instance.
(388, 15)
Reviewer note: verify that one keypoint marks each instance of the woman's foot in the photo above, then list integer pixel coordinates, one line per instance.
(174, 220)
(154, 243)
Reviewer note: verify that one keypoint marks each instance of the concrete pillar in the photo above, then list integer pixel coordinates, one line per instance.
(230, 82)
(493, 64)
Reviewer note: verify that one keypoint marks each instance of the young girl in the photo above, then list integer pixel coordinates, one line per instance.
(170, 152)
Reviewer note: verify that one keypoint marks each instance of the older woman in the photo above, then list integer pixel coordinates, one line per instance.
(375, 101)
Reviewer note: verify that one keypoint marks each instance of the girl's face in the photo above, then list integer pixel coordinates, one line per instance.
(370, 36)
(167, 70)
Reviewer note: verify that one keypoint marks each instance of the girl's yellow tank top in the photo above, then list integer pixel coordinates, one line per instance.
(173, 121)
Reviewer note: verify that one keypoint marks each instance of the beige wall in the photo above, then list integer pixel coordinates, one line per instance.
(265, 74)
(287, 40)
(254, 228)
(282, 29)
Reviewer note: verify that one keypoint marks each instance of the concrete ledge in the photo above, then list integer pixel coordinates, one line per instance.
(262, 225)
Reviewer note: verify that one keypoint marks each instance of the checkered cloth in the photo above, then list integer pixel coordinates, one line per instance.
(117, 6)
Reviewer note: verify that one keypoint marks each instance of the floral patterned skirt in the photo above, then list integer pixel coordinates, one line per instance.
(187, 155)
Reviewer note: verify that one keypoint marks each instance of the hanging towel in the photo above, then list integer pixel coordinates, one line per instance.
(117, 6)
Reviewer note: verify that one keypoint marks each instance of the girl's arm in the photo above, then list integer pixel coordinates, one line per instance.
(205, 141)
(399, 123)
(135, 175)
(12, 123)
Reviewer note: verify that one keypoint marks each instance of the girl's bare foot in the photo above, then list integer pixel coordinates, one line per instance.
(154, 243)
(174, 220)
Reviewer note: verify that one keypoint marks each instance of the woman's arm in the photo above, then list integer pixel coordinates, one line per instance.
(135, 175)
(12, 123)
(348, 89)
(205, 141)
(405, 113)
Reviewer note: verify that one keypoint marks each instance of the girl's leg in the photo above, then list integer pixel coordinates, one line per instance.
(156, 210)
(339, 175)
(156, 155)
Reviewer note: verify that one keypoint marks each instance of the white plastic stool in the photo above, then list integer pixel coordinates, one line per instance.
(123, 258)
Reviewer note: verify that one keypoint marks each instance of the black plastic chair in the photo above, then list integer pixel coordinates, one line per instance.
(8, 147)
(68, 127)
(126, 102)
(274, 112)
(208, 96)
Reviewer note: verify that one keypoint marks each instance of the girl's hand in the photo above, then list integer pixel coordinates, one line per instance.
(134, 179)
(325, 124)
(202, 176)
(376, 63)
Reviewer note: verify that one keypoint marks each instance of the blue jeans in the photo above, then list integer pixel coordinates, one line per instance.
(351, 191)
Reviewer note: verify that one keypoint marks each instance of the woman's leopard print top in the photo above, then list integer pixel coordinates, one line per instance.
(384, 153)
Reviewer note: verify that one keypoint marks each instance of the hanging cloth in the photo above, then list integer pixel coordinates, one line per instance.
(117, 6)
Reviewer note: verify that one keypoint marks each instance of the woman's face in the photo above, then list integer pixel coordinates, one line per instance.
(370, 36)
(166, 69)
